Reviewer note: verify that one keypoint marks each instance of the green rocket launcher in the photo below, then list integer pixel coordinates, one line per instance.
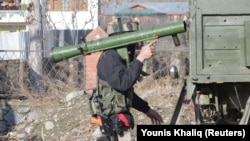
(119, 40)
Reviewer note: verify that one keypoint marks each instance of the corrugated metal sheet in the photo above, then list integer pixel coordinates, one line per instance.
(150, 8)
(13, 45)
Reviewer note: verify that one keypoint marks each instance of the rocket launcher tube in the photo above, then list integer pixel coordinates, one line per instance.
(119, 40)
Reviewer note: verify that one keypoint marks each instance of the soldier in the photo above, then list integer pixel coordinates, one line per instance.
(116, 80)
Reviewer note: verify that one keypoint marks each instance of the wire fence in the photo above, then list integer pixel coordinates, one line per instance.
(31, 72)
(29, 78)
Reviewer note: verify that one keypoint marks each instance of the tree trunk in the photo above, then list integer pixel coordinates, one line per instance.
(35, 48)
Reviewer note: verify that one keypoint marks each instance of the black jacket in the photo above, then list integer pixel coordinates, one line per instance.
(111, 68)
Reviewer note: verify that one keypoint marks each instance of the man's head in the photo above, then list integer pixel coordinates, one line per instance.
(121, 25)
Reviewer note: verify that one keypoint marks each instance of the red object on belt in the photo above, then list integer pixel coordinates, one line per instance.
(124, 119)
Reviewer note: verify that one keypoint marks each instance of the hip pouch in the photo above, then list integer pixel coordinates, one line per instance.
(108, 101)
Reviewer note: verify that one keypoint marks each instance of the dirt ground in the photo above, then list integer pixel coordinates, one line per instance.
(162, 95)
(71, 120)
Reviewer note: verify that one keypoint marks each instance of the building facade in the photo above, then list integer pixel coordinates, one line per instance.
(56, 14)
